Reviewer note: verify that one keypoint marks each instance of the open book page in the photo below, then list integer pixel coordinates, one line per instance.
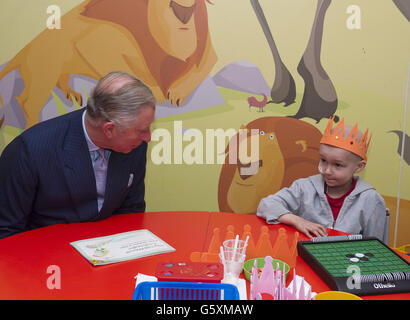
(121, 247)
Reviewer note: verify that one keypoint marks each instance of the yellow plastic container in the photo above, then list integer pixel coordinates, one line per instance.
(336, 295)
(404, 249)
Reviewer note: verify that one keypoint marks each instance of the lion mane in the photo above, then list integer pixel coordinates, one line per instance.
(165, 68)
(172, 56)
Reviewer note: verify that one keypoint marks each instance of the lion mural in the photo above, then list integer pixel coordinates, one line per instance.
(165, 43)
(288, 150)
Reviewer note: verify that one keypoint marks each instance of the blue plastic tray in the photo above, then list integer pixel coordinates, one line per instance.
(164, 290)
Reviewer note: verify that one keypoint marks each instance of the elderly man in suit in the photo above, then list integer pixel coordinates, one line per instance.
(83, 166)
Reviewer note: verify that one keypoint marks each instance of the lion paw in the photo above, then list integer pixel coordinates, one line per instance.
(74, 96)
(160, 99)
(176, 98)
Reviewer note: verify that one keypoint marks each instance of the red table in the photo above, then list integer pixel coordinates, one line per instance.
(25, 257)
(222, 220)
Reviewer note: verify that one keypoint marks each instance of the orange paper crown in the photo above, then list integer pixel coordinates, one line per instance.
(336, 138)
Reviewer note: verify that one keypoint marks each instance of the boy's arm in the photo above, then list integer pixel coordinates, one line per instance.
(286, 200)
(283, 207)
(374, 226)
(310, 229)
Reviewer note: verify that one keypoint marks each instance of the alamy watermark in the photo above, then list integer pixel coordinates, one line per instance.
(353, 281)
(192, 146)
(354, 22)
(54, 280)
(54, 20)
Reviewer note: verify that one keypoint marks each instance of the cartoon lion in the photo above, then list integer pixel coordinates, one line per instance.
(288, 150)
(165, 43)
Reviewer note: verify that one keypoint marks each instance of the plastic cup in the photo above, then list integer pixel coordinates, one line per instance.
(230, 245)
(233, 265)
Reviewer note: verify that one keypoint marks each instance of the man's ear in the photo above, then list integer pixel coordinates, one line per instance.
(360, 166)
(108, 129)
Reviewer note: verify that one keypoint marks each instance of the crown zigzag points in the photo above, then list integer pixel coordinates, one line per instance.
(335, 137)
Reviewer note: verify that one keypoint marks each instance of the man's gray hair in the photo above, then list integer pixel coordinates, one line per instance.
(118, 97)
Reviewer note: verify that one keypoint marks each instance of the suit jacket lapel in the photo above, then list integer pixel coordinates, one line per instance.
(78, 170)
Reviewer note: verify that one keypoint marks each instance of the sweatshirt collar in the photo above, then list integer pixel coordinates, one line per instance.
(319, 184)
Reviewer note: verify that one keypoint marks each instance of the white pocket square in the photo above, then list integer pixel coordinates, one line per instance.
(131, 178)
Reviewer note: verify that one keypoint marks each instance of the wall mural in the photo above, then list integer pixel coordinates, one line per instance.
(319, 98)
(172, 55)
(288, 150)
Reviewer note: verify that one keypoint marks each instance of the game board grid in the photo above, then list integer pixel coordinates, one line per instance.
(332, 256)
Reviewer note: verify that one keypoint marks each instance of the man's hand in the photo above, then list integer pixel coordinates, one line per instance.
(310, 229)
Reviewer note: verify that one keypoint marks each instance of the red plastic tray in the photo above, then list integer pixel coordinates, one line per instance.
(189, 271)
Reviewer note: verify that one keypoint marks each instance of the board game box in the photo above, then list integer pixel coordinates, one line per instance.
(360, 266)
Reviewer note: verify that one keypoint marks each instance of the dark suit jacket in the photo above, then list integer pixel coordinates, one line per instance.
(46, 177)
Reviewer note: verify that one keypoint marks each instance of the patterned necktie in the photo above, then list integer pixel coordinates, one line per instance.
(100, 171)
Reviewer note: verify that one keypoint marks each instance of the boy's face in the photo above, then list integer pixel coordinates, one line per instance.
(338, 166)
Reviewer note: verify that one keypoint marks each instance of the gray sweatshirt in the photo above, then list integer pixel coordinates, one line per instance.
(363, 211)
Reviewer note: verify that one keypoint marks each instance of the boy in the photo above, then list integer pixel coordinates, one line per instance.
(335, 198)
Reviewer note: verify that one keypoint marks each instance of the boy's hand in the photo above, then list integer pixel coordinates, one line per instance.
(310, 229)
